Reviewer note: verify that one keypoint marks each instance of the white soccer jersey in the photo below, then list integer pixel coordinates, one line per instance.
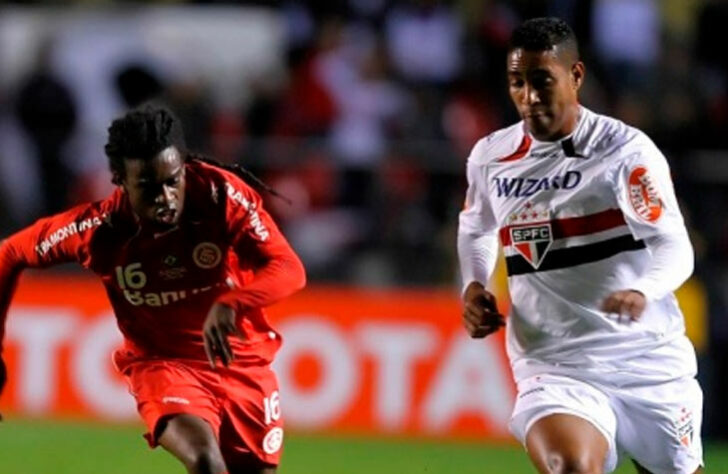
(575, 219)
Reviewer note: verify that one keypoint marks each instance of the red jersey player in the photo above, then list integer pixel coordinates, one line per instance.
(188, 257)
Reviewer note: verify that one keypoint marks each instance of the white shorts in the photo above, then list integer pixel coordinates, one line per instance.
(656, 425)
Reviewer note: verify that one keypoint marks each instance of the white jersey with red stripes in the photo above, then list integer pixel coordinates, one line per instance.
(573, 217)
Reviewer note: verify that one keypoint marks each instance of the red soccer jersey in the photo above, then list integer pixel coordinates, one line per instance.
(226, 248)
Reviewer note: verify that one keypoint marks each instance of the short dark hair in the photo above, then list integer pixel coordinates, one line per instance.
(141, 134)
(543, 34)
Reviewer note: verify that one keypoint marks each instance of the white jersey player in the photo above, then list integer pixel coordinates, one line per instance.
(584, 209)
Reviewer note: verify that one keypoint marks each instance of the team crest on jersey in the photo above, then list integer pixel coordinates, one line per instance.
(273, 440)
(643, 194)
(531, 233)
(206, 255)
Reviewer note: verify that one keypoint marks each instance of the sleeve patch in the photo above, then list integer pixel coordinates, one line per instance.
(644, 195)
(59, 235)
(255, 221)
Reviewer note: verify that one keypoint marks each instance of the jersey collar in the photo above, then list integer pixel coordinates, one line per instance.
(568, 144)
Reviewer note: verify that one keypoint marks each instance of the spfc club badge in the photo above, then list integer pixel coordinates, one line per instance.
(531, 234)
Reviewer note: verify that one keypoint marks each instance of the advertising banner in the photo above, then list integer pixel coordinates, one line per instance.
(365, 361)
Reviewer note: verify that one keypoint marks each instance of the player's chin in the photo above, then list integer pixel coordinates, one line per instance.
(169, 218)
(540, 125)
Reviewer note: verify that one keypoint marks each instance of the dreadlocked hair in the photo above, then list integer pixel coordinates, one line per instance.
(245, 174)
(142, 134)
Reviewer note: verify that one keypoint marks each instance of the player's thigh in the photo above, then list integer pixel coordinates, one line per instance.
(191, 440)
(660, 426)
(163, 389)
(563, 420)
(251, 430)
(565, 443)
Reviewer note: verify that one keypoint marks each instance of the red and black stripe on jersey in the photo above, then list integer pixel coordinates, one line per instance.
(578, 254)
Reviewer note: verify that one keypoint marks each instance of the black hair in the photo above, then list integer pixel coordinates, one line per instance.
(141, 134)
(144, 132)
(543, 34)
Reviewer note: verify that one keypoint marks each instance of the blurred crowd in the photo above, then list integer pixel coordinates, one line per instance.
(362, 112)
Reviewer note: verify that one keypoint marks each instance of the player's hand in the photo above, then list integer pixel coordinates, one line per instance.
(625, 302)
(219, 324)
(480, 313)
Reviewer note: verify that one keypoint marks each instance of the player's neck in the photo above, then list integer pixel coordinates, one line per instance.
(571, 122)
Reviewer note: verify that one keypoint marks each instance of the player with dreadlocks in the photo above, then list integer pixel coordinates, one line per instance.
(189, 259)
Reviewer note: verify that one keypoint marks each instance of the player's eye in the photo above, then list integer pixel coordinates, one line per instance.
(543, 82)
(517, 83)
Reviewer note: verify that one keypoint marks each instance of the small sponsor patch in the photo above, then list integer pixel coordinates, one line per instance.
(72, 228)
(206, 255)
(179, 400)
(273, 440)
(643, 195)
(172, 273)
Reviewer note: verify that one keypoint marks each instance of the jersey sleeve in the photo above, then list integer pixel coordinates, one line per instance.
(645, 194)
(672, 264)
(259, 245)
(52, 240)
(477, 230)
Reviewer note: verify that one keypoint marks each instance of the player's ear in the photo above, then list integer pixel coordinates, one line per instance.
(577, 74)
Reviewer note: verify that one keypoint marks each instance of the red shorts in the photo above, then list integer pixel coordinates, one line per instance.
(241, 404)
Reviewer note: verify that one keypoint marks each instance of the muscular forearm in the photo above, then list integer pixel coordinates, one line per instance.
(672, 264)
(478, 255)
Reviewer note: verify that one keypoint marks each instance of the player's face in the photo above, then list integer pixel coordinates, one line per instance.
(156, 187)
(544, 89)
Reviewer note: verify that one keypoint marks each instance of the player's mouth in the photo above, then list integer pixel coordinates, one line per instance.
(533, 114)
(166, 215)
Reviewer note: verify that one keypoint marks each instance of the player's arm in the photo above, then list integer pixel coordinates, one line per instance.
(51, 240)
(647, 199)
(278, 272)
(10, 268)
(477, 253)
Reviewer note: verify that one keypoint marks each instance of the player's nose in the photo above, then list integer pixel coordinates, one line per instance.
(530, 95)
(167, 196)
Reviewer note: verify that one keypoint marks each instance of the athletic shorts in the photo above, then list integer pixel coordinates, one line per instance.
(241, 404)
(656, 425)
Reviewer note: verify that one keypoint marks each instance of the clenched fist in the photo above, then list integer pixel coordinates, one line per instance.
(626, 302)
(480, 313)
